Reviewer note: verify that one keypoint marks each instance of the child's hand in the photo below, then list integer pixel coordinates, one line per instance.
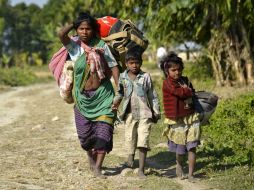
(155, 118)
(115, 105)
(184, 86)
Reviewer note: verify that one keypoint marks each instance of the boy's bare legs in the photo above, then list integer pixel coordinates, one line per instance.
(130, 160)
(192, 162)
(98, 164)
(142, 160)
(179, 166)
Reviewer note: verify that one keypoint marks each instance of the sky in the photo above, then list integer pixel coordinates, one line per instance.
(38, 2)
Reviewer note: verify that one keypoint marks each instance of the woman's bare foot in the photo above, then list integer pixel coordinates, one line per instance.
(91, 164)
(97, 173)
(91, 160)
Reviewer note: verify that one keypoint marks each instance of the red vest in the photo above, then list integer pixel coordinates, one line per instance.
(177, 100)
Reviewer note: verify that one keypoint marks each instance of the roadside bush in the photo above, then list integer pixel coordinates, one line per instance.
(199, 68)
(16, 76)
(200, 73)
(230, 137)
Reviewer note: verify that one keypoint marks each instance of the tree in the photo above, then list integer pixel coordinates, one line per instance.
(4, 7)
(224, 28)
(230, 25)
(20, 32)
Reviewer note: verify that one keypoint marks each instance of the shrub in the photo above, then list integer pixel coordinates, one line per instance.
(16, 76)
(200, 73)
(230, 136)
(199, 69)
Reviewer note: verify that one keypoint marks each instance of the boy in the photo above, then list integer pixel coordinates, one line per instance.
(140, 107)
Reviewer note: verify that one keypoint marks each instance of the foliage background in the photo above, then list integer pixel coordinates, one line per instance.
(224, 29)
(28, 39)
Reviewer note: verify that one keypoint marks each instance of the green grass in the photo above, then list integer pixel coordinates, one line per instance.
(16, 76)
(42, 73)
(235, 178)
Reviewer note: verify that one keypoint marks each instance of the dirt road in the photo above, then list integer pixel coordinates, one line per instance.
(40, 150)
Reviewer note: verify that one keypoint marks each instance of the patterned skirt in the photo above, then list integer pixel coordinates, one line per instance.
(93, 135)
(184, 134)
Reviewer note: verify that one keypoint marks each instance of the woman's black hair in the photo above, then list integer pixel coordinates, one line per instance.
(83, 16)
(134, 53)
(169, 60)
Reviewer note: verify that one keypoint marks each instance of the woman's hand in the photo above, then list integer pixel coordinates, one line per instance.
(63, 34)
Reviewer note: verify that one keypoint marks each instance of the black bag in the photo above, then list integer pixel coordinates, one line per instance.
(123, 36)
(205, 103)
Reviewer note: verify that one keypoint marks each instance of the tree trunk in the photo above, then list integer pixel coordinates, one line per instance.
(216, 66)
(247, 56)
(240, 79)
(215, 71)
(249, 73)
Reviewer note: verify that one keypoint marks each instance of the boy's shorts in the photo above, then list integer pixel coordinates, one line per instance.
(137, 133)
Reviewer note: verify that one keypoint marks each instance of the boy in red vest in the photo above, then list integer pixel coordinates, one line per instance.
(183, 131)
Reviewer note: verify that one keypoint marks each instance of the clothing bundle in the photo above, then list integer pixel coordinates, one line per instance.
(61, 68)
(94, 59)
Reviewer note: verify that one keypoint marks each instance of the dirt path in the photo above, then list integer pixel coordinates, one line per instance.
(40, 150)
(169, 172)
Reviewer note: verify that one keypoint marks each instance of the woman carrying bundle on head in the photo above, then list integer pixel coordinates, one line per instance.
(92, 91)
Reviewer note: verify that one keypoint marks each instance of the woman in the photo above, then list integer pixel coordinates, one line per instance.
(92, 90)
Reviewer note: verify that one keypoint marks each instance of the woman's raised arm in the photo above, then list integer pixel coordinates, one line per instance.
(63, 34)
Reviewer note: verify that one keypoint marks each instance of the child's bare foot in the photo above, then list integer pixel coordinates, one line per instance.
(97, 173)
(179, 172)
(141, 174)
(192, 179)
(130, 161)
